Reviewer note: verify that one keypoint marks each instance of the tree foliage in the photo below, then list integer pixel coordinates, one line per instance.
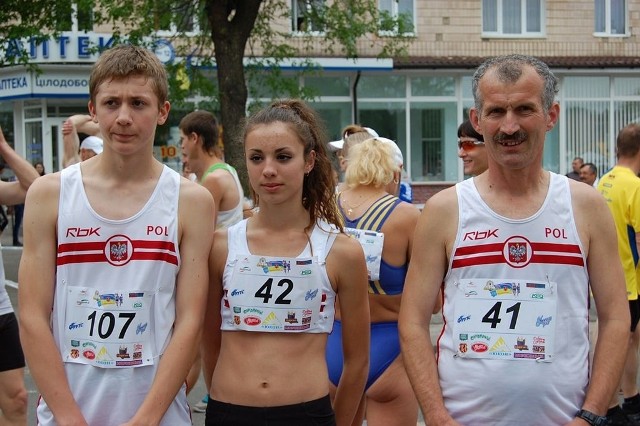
(237, 49)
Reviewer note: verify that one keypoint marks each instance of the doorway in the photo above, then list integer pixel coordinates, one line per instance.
(53, 148)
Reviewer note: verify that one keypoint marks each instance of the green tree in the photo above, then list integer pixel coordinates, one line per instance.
(236, 37)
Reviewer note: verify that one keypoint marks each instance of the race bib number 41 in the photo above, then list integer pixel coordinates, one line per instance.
(505, 319)
(107, 329)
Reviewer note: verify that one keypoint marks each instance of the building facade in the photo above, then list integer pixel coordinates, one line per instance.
(417, 100)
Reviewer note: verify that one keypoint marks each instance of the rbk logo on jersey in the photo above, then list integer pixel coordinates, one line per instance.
(83, 232)
(480, 235)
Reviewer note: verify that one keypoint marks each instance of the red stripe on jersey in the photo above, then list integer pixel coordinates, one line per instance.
(161, 245)
(100, 257)
(555, 259)
(480, 248)
(486, 254)
(478, 260)
(84, 246)
(150, 255)
(562, 248)
(99, 245)
(81, 258)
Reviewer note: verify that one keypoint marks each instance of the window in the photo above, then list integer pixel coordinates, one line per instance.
(595, 109)
(611, 17)
(306, 16)
(512, 18)
(588, 114)
(434, 126)
(397, 16)
(84, 17)
(382, 86)
(433, 86)
(73, 16)
(178, 17)
(329, 86)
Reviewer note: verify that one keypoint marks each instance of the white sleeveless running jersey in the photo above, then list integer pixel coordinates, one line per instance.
(515, 345)
(278, 294)
(227, 218)
(114, 306)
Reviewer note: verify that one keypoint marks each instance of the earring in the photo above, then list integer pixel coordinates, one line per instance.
(395, 181)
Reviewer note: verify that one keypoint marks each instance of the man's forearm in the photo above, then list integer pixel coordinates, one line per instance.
(24, 171)
(170, 376)
(47, 369)
(420, 363)
(608, 364)
(84, 123)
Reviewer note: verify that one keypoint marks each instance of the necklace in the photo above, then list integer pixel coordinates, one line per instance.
(351, 208)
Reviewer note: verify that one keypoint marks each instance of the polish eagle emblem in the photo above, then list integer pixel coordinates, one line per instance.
(517, 252)
(118, 250)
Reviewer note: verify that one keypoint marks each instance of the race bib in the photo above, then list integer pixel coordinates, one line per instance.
(371, 242)
(275, 294)
(505, 319)
(107, 329)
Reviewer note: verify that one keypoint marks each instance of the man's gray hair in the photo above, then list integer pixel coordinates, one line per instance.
(509, 69)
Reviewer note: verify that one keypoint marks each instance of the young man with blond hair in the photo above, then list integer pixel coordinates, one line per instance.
(110, 318)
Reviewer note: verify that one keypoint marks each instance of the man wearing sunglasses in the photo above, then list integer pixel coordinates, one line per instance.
(471, 149)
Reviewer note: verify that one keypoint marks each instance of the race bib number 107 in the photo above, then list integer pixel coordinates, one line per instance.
(108, 329)
(505, 319)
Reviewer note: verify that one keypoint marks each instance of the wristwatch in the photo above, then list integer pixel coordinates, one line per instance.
(592, 418)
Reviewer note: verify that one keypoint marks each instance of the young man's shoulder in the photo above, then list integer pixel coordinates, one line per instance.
(44, 185)
(44, 194)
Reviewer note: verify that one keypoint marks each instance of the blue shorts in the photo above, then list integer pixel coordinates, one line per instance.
(312, 413)
(384, 349)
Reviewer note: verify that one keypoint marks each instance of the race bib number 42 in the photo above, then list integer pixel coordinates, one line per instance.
(275, 294)
(505, 319)
(107, 329)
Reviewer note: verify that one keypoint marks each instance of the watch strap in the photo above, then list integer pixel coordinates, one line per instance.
(592, 418)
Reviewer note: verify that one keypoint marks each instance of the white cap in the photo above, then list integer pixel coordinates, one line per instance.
(397, 154)
(336, 145)
(93, 143)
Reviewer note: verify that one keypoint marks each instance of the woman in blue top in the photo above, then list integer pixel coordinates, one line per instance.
(384, 225)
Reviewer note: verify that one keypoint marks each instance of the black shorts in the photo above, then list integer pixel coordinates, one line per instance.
(312, 413)
(634, 309)
(11, 356)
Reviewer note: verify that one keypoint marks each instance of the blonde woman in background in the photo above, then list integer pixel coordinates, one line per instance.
(384, 225)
